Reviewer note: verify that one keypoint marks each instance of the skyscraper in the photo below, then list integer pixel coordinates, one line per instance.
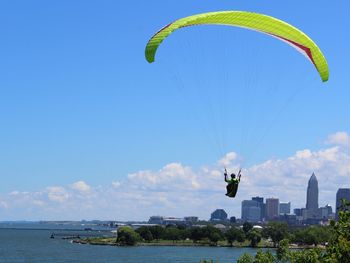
(341, 193)
(251, 211)
(285, 208)
(272, 208)
(312, 197)
(261, 204)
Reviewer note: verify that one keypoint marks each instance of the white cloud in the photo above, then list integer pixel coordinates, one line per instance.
(116, 184)
(179, 190)
(57, 194)
(172, 177)
(228, 159)
(339, 138)
(81, 186)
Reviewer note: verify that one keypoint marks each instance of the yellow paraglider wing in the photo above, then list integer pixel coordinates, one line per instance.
(262, 23)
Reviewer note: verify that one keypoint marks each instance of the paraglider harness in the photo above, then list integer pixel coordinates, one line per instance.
(232, 185)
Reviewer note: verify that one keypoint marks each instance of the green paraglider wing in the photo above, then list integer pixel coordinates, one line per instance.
(262, 23)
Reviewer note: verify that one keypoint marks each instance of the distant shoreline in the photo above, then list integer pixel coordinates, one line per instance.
(106, 242)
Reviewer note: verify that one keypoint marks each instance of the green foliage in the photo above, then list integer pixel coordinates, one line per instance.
(338, 249)
(313, 235)
(246, 258)
(234, 234)
(172, 233)
(157, 232)
(306, 256)
(254, 236)
(127, 236)
(247, 227)
(283, 253)
(145, 233)
(264, 257)
(213, 234)
(276, 231)
(196, 234)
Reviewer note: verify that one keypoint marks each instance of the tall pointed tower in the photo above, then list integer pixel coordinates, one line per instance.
(312, 194)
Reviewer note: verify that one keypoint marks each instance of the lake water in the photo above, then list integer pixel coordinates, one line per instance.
(22, 244)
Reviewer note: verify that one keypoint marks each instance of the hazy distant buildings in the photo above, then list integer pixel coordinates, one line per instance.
(342, 193)
(163, 220)
(218, 215)
(298, 212)
(261, 204)
(158, 220)
(284, 208)
(312, 198)
(272, 208)
(325, 212)
(191, 219)
(251, 211)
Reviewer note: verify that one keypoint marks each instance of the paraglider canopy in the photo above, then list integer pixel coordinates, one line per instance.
(254, 21)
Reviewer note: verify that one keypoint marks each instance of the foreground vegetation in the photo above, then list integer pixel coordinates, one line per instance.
(336, 250)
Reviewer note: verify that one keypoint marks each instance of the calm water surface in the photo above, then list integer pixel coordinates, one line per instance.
(34, 245)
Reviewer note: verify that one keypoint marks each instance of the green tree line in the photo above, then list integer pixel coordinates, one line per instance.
(271, 235)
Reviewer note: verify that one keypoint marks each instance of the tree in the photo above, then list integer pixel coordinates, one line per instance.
(282, 253)
(254, 236)
(338, 249)
(127, 236)
(307, 256)
(214, 237)
(246, 258)
(157, 232)
(247, 227)
(313, 235)
(172, 233)
(264, 257)
(276, 231)
(234, 234)
(213, 234)
(196, 234)
(145, 233)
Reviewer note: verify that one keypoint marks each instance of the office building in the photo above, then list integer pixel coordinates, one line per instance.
(285, 208)
(218, 215)
(272, 208)
(342, 193)
(312, 197)
(251, 211)
(261, 204)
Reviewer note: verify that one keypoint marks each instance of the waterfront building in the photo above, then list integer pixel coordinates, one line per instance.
(272, 208)
(342, 193)
(312, 197)
(325, 212)
(173, 221)
(251, 211)
(218, 215)
(298, 211)
(158, 220)
(191, 219)
(284, 208)
(162, 220)
(261, 204)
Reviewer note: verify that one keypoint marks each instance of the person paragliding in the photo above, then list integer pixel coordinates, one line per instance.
(232, 184)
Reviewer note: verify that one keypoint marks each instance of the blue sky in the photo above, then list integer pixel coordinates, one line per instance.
(80, 104)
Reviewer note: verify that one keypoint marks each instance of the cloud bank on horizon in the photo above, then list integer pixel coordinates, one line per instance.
(179, 190)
